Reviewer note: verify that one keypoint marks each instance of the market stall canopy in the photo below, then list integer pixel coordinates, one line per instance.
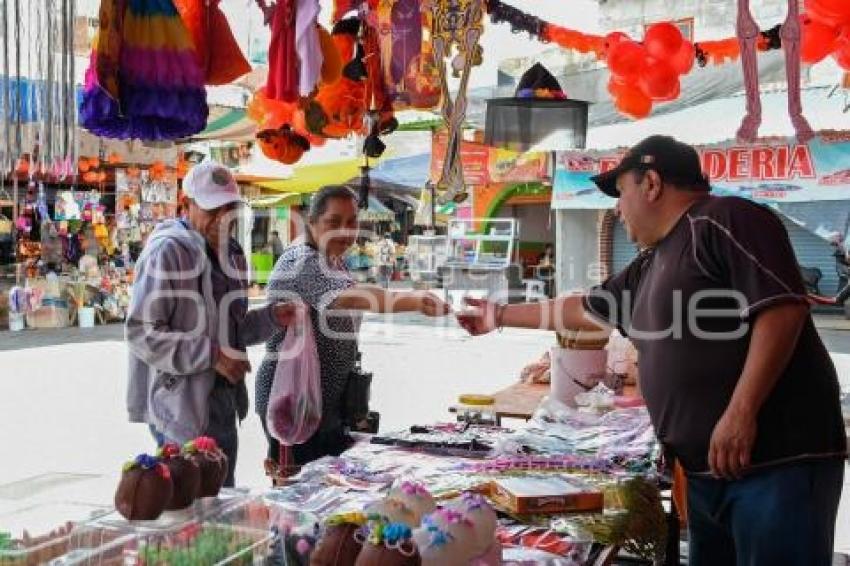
(276, 201)
(227, 124)
(311, 178)
(376, 212)
(412, 171)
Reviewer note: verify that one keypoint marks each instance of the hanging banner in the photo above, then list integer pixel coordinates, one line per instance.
(771, 171)
(483, 164)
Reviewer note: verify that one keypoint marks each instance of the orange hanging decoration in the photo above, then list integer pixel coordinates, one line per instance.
(90, 177)
(331, 58)
(113, 158)
(83, 165)
(22, 167)
(215, 47)
(283, 145)
(94, 162)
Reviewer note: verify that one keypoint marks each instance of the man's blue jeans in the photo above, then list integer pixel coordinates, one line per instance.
(779, 516)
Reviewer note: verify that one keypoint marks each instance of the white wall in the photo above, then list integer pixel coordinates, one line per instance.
(576, 249)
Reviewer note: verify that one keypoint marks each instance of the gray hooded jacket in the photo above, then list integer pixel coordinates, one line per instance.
(175, 326)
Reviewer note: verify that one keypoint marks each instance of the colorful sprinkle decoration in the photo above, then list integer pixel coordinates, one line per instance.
(143, 461)
(169, 450)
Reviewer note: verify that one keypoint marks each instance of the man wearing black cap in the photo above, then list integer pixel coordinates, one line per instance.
(739, 386)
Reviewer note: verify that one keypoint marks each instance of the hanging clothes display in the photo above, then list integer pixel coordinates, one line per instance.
(307, 46)
(283, 81)
(160, 85)
(218, 53)
(410, 74)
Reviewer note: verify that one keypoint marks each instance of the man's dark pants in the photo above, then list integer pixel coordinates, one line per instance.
(221, 427)
(783, 515)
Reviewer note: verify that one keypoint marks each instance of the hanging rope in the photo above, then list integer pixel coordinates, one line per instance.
(6, 164)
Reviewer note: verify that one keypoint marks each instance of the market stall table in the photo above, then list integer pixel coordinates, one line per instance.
(520, 400)
(517, 401)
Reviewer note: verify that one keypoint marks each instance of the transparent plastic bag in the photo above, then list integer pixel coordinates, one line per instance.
(295, 403)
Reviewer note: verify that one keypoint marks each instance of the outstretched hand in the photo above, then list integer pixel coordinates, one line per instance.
(479, 318)
(431, 305)
(286, 313)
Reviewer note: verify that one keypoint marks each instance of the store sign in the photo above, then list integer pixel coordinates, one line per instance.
(511, 167)
(473, 156)
(483, 164)
(780, 171)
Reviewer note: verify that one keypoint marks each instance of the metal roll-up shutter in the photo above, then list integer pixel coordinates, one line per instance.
(813, 251)
(624, 249)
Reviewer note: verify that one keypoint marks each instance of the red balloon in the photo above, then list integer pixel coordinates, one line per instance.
(674, 94)
(633, 102)
(616, 86)
(614, 38)
(829, 12)
(627, 59)
(663, 40)
(842, 57)
(659, 81)
(683, 61)
(817, 39)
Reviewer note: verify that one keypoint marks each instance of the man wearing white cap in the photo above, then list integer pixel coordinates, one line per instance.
(189, 323)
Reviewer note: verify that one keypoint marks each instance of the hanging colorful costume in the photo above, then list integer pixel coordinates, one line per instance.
(144, 81)
(218, 53)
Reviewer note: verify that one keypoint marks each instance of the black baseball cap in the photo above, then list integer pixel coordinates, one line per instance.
(675, 162)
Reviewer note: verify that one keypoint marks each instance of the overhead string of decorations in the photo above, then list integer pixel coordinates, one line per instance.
(322, 85)
(647, 71)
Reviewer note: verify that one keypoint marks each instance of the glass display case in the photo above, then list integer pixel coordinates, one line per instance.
(425, 256)
(481, 258)
(487, 243)
(32, 536)
(232, 528)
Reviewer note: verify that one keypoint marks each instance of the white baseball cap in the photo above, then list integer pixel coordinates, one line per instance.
(211, 185)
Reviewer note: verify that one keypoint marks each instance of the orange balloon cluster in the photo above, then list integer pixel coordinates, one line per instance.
(826, 31)
(94, 177)
(88, 166)
(22, 166)
(157, 171)
(647, 72)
